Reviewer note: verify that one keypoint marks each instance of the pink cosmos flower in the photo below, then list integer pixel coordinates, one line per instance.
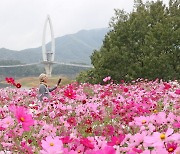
(66, 140)
(87, 143)
(6, 122)
(109, 150)
(70, 93)
(2, 128)
(12, 108)
(142, 120)
(9, 80)
(177, 92)
(109, 130)
(105, 150)
(47, 130)
(80, 149)
(125, 90)
(26, 148)
(116, 140)
(176, 125)
(167, 86)
(171, 117)
(160, 150)
(171, 147)
(72, 121)
(24, 118)
(137, 150)
(136, 139)
(131, 152)
(107, 79)
(161, 118)
(158, 139)
(6, 145)
(45, 99)
(88, 122)
(52, 145)
(70, 152)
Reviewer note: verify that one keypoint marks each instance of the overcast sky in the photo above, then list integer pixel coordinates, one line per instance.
(22, 21)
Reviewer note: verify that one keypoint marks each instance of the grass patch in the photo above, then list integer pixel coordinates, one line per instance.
(34, 81)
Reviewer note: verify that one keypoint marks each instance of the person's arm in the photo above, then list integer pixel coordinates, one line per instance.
(51, 89)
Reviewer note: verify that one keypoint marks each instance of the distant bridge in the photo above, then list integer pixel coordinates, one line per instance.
(59, 63)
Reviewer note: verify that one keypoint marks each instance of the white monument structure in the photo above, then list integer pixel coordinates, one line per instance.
(48, 55)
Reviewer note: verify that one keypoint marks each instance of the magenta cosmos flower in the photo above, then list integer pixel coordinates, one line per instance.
(9, 80)
(24, 118)
(171, 147)
(66, 140)
(72, 121)
(177, 92)
(116, 140)
(87, 143)
(70, 93)
(18, 85)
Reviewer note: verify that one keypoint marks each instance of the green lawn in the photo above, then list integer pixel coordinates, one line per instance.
(34, 81)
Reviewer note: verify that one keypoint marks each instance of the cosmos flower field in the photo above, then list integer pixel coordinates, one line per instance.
(138, 117)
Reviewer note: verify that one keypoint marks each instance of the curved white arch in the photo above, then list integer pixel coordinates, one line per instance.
(48, 55)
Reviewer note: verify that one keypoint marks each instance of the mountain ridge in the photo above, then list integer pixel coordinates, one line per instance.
(69, 48)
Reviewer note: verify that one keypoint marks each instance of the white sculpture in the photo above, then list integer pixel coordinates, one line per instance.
(48, 56)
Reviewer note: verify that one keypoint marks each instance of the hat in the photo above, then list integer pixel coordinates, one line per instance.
(42, 77)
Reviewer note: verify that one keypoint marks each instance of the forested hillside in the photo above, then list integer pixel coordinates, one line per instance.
(69, 48)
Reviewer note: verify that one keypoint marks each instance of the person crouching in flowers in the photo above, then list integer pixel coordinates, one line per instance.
(43, 89)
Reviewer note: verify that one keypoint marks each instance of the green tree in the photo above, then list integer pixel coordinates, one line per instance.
(142, 44)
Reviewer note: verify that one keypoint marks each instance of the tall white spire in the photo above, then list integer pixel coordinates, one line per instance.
(48, 56)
